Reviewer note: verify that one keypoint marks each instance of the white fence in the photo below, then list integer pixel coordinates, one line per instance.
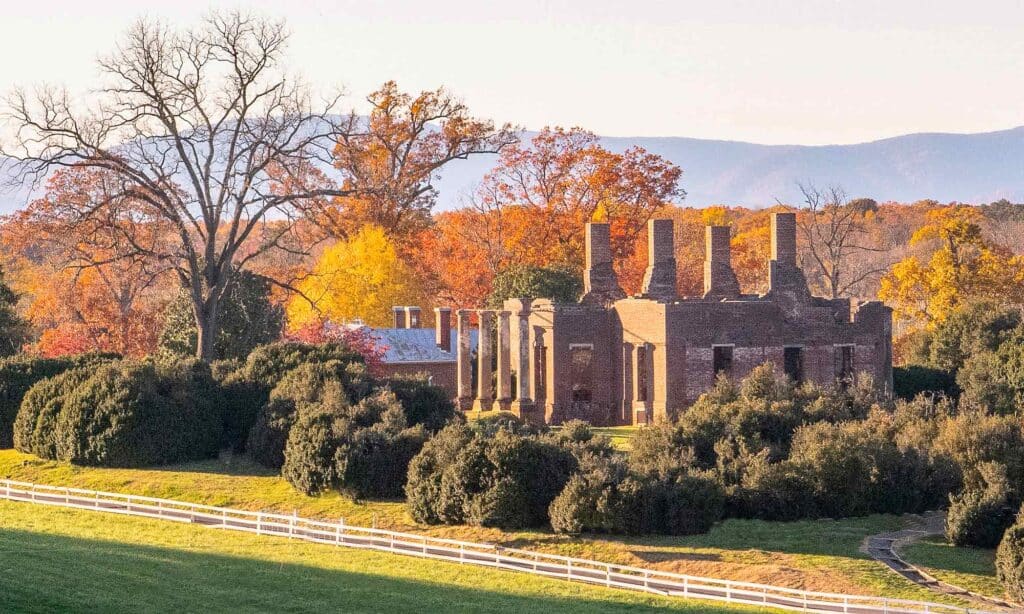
(550, 565)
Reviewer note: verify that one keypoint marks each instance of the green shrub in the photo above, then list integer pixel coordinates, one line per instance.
(19, 373)
(1010, 562)
(247, 388)
(362, 450)
(690, 505)
(979, 517)
(597, 500)
(310, 463)
(308, 383)
(973, 438)
(35, 429)
(423, 402)
(134, 414)
(909, 381)
(495, 478)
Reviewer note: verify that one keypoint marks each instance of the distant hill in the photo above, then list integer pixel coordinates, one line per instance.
(973, 168)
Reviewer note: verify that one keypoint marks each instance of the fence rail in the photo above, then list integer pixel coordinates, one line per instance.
(471, 553)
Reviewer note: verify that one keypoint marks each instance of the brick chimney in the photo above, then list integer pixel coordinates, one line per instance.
(719, 278)
(412, 317)
(600, 286)
(399, 316)
(660, 276)
(443, 328)
(785, 279)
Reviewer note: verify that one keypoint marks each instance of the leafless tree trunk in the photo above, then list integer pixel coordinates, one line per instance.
(205, 135)
(834, 230)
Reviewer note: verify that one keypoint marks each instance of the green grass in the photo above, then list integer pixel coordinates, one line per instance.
(970, 568)
(57, 560)
(816, 555)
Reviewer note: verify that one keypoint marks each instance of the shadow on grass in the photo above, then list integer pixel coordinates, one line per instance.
(49, 573)
(239, 465)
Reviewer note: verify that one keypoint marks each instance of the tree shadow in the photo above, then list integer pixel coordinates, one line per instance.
(51, 573)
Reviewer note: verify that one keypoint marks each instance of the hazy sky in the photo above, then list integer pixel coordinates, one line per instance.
(801, 71)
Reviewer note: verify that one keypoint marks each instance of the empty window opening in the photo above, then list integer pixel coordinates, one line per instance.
(844, 364)
(722, 359)
(581, 360)
(793, 363)
(642, 378)
(540, 370)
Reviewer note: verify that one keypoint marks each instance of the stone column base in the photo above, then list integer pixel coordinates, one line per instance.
(464, 403)
(521, 408)
(504, 404)
(483, 405)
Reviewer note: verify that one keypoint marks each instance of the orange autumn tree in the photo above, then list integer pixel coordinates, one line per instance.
(532, 207)
(389, 159)
(86, 289)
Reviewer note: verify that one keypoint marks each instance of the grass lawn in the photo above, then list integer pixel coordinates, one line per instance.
(56, 560)
(970, 568)
(816, 555)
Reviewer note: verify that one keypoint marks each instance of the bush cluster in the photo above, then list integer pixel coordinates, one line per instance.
(123, 414)
(21, 372)
(495, 477)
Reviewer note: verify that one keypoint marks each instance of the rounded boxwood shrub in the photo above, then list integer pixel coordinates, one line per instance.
(493, 478)
(1010, 562)
(248, 385)
(19, 373)
(134, 414)
(36, 425)
(423, 402)
(309, 383)
(978, 519)
(362, 450)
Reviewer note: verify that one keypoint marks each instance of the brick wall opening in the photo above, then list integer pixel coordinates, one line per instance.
(844, 367)
(722, 359)
(793, 363)
(581, 374)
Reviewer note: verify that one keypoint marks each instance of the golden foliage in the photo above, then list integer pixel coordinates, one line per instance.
(359, 278)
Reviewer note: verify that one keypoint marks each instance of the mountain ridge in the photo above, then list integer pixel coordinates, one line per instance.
(966, 167)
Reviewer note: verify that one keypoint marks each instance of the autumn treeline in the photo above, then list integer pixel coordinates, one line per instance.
(203, 175)
(923, 258)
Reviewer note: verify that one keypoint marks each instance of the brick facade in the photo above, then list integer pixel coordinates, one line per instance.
(612, 359)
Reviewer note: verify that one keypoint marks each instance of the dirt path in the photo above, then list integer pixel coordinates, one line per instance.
(884, 548)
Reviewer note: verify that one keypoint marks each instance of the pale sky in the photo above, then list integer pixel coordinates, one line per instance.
(802, 71)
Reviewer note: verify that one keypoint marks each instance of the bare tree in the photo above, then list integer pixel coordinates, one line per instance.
(834, 230)
(201, 132)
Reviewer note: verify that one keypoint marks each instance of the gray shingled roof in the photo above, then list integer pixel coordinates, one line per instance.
(416, 345)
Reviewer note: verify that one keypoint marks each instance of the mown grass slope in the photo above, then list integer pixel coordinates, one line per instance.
(817, 555)
(57, 560)
(970, 568)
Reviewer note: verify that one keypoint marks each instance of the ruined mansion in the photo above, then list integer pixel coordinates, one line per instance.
(613, 360)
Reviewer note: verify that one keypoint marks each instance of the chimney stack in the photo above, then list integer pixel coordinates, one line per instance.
(443, 328)
(719, 279)
(600, 284)
(660, 277)
(785, 279)
(784, 238)
(399, 316)
(412, 317)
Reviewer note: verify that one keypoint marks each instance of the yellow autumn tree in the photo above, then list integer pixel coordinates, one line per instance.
(362, 278)
(962, 267)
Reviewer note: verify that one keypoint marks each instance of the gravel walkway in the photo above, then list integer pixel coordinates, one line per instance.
(884, 548)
